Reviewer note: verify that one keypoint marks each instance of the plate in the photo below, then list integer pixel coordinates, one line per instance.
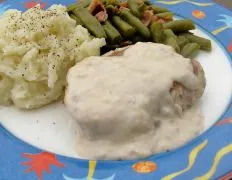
(31, 148)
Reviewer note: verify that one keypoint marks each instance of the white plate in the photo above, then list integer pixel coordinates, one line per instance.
(53, 129)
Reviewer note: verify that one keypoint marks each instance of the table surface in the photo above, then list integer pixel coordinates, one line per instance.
(226, 3)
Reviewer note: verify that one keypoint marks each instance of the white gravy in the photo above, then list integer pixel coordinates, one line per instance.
(123, 107)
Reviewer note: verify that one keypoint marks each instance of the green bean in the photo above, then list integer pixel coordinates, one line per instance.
(147, 2)
(204, 43)
(77, 19)
(134, 21)
(112, 33)
(142, 8)
(157, 32)
(165, 15)
(182, 41)
(180, 25)
(134, 7)
(158, 9)
(172, 41)
(110, 6)
(112, 2)
(124, 28)
(89, 21)
(169, 32)
(190, 49)
(111, 9)
(71, 7)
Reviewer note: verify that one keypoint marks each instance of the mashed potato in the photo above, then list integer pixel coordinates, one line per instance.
(37, 48)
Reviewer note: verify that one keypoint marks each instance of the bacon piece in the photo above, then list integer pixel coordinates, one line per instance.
(147, 17)
(96, 6)
(161, 21)
(123, 4)
(102, 16)
(154, 18)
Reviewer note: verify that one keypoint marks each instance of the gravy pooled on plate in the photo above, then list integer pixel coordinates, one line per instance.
(136, 103)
